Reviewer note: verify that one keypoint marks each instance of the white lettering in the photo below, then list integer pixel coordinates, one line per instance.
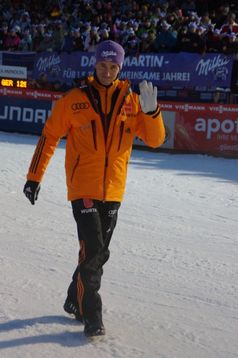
(200, 125)
(145, 61)
(176, 76)
(5, 114)
(27, 115)
(17, 110)
(44, 64)
(214, 125)
(90, 210)
(204, 67)
(87, 61)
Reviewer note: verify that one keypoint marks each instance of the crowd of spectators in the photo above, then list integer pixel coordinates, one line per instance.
(140, 26)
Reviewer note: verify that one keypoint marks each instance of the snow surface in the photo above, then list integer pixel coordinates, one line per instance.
(170, 288)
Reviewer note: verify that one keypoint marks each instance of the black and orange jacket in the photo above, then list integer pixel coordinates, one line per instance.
(100, 124)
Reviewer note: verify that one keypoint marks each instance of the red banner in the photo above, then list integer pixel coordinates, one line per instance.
(30, 93)
(208, 128)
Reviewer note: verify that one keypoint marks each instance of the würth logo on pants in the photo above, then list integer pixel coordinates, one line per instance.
(89, 210)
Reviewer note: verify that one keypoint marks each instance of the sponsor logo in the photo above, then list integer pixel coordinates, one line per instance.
(78, 106)
(25, 114)
(46, 64)
(87, 211)
(215, 65)
(127, 107)
(111, 213)
(108, 53)
(13, 71)
(211, 126)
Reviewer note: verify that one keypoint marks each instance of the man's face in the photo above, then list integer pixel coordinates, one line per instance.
(106, 72)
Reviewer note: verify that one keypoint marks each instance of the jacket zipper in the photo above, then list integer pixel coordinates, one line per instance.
(74, 168)
(106, 154)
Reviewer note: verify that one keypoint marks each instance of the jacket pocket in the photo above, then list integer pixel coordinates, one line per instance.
(121, 131)
(75, 167)
(94, 132)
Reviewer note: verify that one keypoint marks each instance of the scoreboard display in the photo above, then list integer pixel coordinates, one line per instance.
(13, 82)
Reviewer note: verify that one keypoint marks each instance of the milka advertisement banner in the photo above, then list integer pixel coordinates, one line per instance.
(171, 70)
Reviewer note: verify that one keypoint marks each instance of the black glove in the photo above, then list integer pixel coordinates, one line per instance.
(31, 190)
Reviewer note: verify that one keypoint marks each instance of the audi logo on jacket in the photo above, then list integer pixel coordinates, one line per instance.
(100, 124)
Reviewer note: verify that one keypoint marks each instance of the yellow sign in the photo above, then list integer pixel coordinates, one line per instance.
(21, 83)
(10, 82)
(6, 82)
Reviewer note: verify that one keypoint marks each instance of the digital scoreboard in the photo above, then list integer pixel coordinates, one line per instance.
(13, 82)
(13, 76)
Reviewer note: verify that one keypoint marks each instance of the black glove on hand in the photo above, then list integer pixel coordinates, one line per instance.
(31, 190)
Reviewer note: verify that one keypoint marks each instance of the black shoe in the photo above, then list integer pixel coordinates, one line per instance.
(72, 308)
(93, 329)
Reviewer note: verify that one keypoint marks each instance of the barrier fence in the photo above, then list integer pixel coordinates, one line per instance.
(190, 127)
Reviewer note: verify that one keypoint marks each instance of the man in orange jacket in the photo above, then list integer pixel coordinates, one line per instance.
(100, 119)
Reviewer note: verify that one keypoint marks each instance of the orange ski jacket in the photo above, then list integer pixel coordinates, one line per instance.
(100, 124)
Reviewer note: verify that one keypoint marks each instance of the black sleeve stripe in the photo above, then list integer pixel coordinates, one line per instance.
(37, 155)
(157, 113)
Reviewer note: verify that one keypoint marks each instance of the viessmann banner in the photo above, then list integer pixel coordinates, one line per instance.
(191, 127)
(207, 128)
(170, 70)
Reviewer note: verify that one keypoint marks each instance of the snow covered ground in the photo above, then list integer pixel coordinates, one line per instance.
(170, 288)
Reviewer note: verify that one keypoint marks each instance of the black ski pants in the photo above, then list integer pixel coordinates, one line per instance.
(95, 227)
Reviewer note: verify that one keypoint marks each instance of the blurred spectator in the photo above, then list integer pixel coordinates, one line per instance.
(191, 39)
(132, 48)
(221, 15)
(12, 40)
(231, 25)
(145, 27)
(57, 86)
(188, 6)
(38, 36)
(230, 44)
(58, 35)
(131, 42)
(47, 43)
(206, 22)
(86, 32)
(26, 40)
(213, 41)
(77, 40)
(148, 42)
(93, 39)
(42, 83)
(166, 39)
(3, 36)
(25, 21)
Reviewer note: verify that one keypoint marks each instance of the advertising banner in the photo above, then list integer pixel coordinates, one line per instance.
(23, 115)
(166, 70)
(63, 67)
(190, 127)
(180, 70)
(13, 71)
(206, 128)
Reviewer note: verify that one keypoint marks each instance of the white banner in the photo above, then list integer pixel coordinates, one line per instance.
(13, 72)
